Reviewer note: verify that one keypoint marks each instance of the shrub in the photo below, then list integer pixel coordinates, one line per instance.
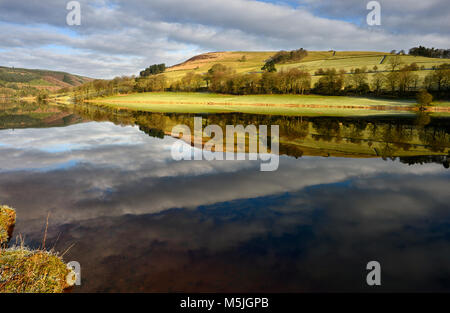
(424, 99)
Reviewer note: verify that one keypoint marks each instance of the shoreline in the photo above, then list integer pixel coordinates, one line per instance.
(264, 104)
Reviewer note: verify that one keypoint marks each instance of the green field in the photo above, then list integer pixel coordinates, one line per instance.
(315, 60)
(180, 102)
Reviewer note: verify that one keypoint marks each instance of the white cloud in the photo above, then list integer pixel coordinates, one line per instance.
(122, 37)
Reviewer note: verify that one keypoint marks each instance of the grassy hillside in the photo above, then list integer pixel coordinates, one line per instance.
(315, 60)
(202, 63)
(26, 81)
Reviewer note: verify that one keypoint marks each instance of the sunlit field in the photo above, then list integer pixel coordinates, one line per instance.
(182, 102)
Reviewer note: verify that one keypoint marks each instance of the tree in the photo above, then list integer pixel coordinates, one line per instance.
(331, 83)
(217, 76)
(269, 67)
(190, 82)
(441, 76)
(243, 59)
(394, 62)
(429, 81)
(151, 83)
(378, 81)
(392, 79)
(293, 81)
(424, 99)
(269, 82)
(407, 78)
(358, 80)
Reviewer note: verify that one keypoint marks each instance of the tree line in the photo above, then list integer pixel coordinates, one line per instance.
(153, 70)
(223, 79)
(397, 80)
(284, 57)
(400, 80)
(430, 52)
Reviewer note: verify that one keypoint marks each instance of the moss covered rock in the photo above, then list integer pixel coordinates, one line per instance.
(27, 271)
(7, 222)
(30, 271)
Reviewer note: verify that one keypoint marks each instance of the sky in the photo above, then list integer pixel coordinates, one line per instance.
(122, 37)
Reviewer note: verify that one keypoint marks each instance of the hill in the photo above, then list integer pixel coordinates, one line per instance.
(248, 62)
(19, 81)
(27, 114)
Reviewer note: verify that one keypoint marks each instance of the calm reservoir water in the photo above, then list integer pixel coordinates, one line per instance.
(347, 191)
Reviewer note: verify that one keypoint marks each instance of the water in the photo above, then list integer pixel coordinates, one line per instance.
(347, 191)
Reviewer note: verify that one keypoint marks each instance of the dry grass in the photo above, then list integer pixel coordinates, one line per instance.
(7, 222)
(202, 63)
(31, 271)
(28, 271)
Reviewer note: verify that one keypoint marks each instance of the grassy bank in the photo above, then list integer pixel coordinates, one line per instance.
(7, 222)
(28, 271)
(180, 102)
(32, 271)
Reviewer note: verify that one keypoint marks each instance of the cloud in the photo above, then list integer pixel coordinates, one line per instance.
(138, 219)
(112, 170)
(401, 17)
(121, 37)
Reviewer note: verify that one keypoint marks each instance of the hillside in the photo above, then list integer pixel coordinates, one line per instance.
(315, 60)
(34, 115)
(29, 81)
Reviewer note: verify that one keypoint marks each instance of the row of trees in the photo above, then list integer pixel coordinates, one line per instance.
(100, 88)
(151, 83)
(223, 79)
(284, 57)
(153, 70)
(398, 80)
(120, 85)
(430, 52)
(289, 56)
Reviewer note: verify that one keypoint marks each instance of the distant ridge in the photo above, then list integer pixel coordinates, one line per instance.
(40, 79)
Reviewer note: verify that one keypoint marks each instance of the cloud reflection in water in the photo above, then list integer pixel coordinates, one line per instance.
(142, 222)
